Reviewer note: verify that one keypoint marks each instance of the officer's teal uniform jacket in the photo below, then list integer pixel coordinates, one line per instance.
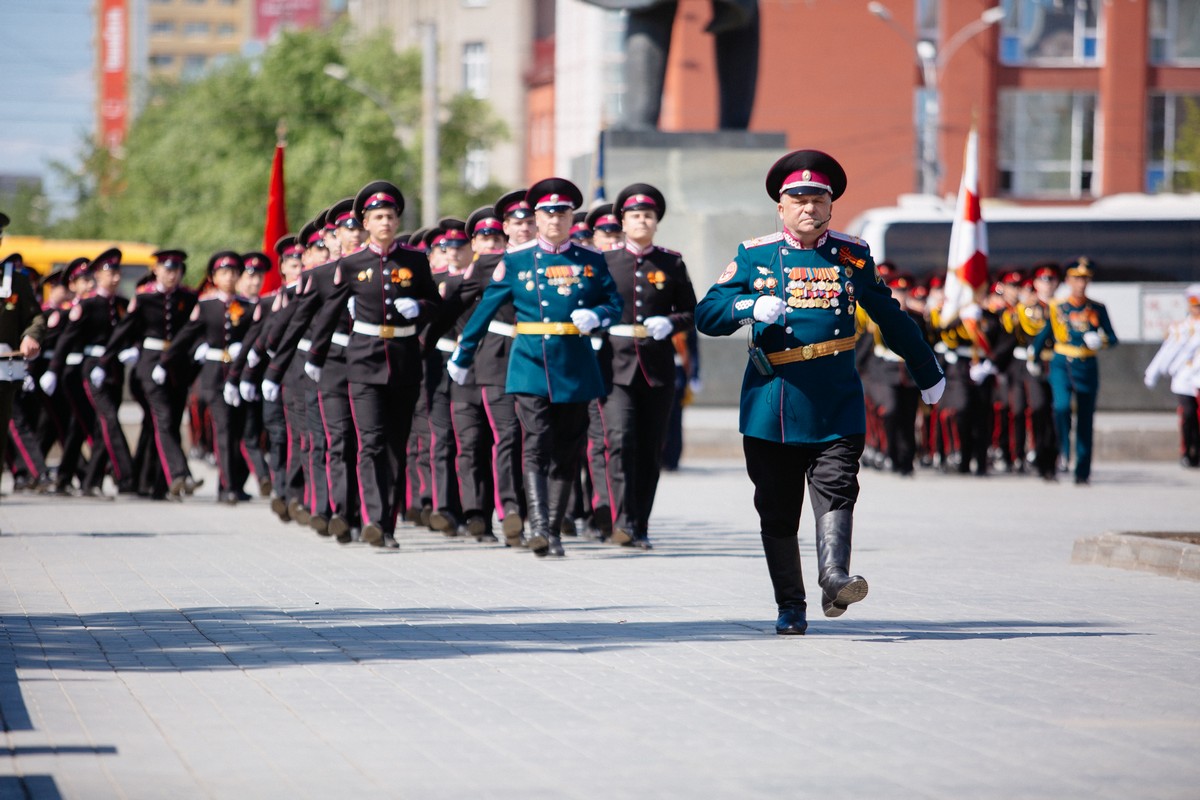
(820, 400)
(545, 284)
(1077, 371)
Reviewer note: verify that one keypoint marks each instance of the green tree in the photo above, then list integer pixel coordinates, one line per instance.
(1187, 148)
(195, 166)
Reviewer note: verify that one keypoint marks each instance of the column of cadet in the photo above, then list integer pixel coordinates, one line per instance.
(524, 366)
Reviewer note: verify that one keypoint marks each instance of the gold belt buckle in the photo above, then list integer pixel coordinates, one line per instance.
(806, 352)
(225, 357)
(560, 328)
(387, 331)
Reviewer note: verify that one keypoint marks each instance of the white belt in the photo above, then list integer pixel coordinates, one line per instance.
(447, 345)
(150, 343)
(630, 331)
(304, 344)
(94, 350)
(74, 359)
(502, 328)
(342, 339)
(217, 355)
(384, 331)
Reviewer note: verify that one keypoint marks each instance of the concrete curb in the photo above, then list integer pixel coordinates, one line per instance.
(1169, 554)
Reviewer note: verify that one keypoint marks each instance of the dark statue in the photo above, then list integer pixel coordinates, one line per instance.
(735, 26)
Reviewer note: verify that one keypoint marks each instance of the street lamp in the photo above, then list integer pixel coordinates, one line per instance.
(429, 184)
(931, 59)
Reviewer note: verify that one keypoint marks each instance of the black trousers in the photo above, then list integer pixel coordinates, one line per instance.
(275, 421)
(553, 435)
(966, 410)
(341, 451)
(779, 473)
(295, 410)
(596, 456)
(475, 443)
(252, 439)
(635, 421)
(166, 404)
(227, 425)
(8, 391)
(317, 494)
(79, 424)
(419, 481)
(108, 439)
(383, 417)
(443, 452)
(899, 412)
(1189, 429)
(28, 457)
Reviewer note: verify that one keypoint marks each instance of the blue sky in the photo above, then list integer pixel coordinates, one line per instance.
(47, 93)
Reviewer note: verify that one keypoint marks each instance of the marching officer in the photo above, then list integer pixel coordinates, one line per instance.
(1079, 329)
(22, 325)
(802, 414)
(658, 300)
(156, 314)
(561, 292)
(90, 324)
(393, 294)
(217, 325)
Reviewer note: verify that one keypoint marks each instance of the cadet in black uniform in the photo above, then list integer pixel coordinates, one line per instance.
(658, 301)
(219, 321)
(157, 313)
(393, 294)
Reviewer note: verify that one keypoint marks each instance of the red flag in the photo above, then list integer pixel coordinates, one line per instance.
(276, 225)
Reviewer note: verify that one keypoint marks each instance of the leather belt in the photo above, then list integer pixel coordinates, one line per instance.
(150, 343)
(548, 328)
(447, 345)
(502, 328)
(342, 339)
(632, 331)
(94, 350)
(304, 344)
(218, 355)
(1073, 351)
(384, 331)
(808, 352)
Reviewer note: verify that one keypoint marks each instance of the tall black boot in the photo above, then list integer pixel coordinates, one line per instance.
(537, 496)
(838, 588)
(560, 499)
(783, 563)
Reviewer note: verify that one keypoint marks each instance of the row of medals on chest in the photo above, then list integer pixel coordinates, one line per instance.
(565, 277)
(807, 287)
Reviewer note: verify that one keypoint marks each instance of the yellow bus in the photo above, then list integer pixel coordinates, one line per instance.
(44, 255)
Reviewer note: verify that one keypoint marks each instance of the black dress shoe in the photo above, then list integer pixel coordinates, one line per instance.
(554, 547)
(567, 528)
(444, 521)
(477, 526)
(512, 526)
(279, 506)
(424, 519)
(372, 534)
(389, 542)
(642, 543)
(791, 622)
(319, 524)
(338, 527)
(228, 498)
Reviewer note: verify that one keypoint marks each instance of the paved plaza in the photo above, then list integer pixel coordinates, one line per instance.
(200, 651)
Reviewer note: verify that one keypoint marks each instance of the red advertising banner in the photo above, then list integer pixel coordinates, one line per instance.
(114, 72)
(271, 15)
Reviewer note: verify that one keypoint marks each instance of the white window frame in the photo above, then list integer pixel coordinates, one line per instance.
(1076, 165)
(1082, 34)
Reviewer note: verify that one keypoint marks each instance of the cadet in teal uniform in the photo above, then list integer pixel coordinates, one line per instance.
(561, 293)
(1080, 329)
(802, 413)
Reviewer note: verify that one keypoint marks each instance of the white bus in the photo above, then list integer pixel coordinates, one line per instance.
(1146, 247)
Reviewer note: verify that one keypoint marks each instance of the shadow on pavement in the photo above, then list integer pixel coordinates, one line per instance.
(969, 630)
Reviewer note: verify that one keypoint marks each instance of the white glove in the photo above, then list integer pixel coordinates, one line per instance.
(312, 371)
(248, 391)
(97, 376)
(128, 356)
(350, 307)
(1092, 340)
(407, 307)
(972, 312)
(457, 374)
(585, 319)
(696, 385)
(659, 328)
(934, 393)
(48, 382)
(234, 349)
(232, 398)
(201, 352)
(28, 384)
(1034, 369)
(252, 358)
(270, 391)
(980, 372)
(159, 374)
(1150, 379)
(769, 308)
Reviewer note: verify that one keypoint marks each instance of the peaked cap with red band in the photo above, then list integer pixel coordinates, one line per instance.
(109, 259)
(378, 194)
(341, 215)
(554, 193)
(171, 259)
(288, 247)
(513, 205)
(640, 195)
(484, 222)
(256, 262)
(226, 259)
(806, 172)
(602, 218)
